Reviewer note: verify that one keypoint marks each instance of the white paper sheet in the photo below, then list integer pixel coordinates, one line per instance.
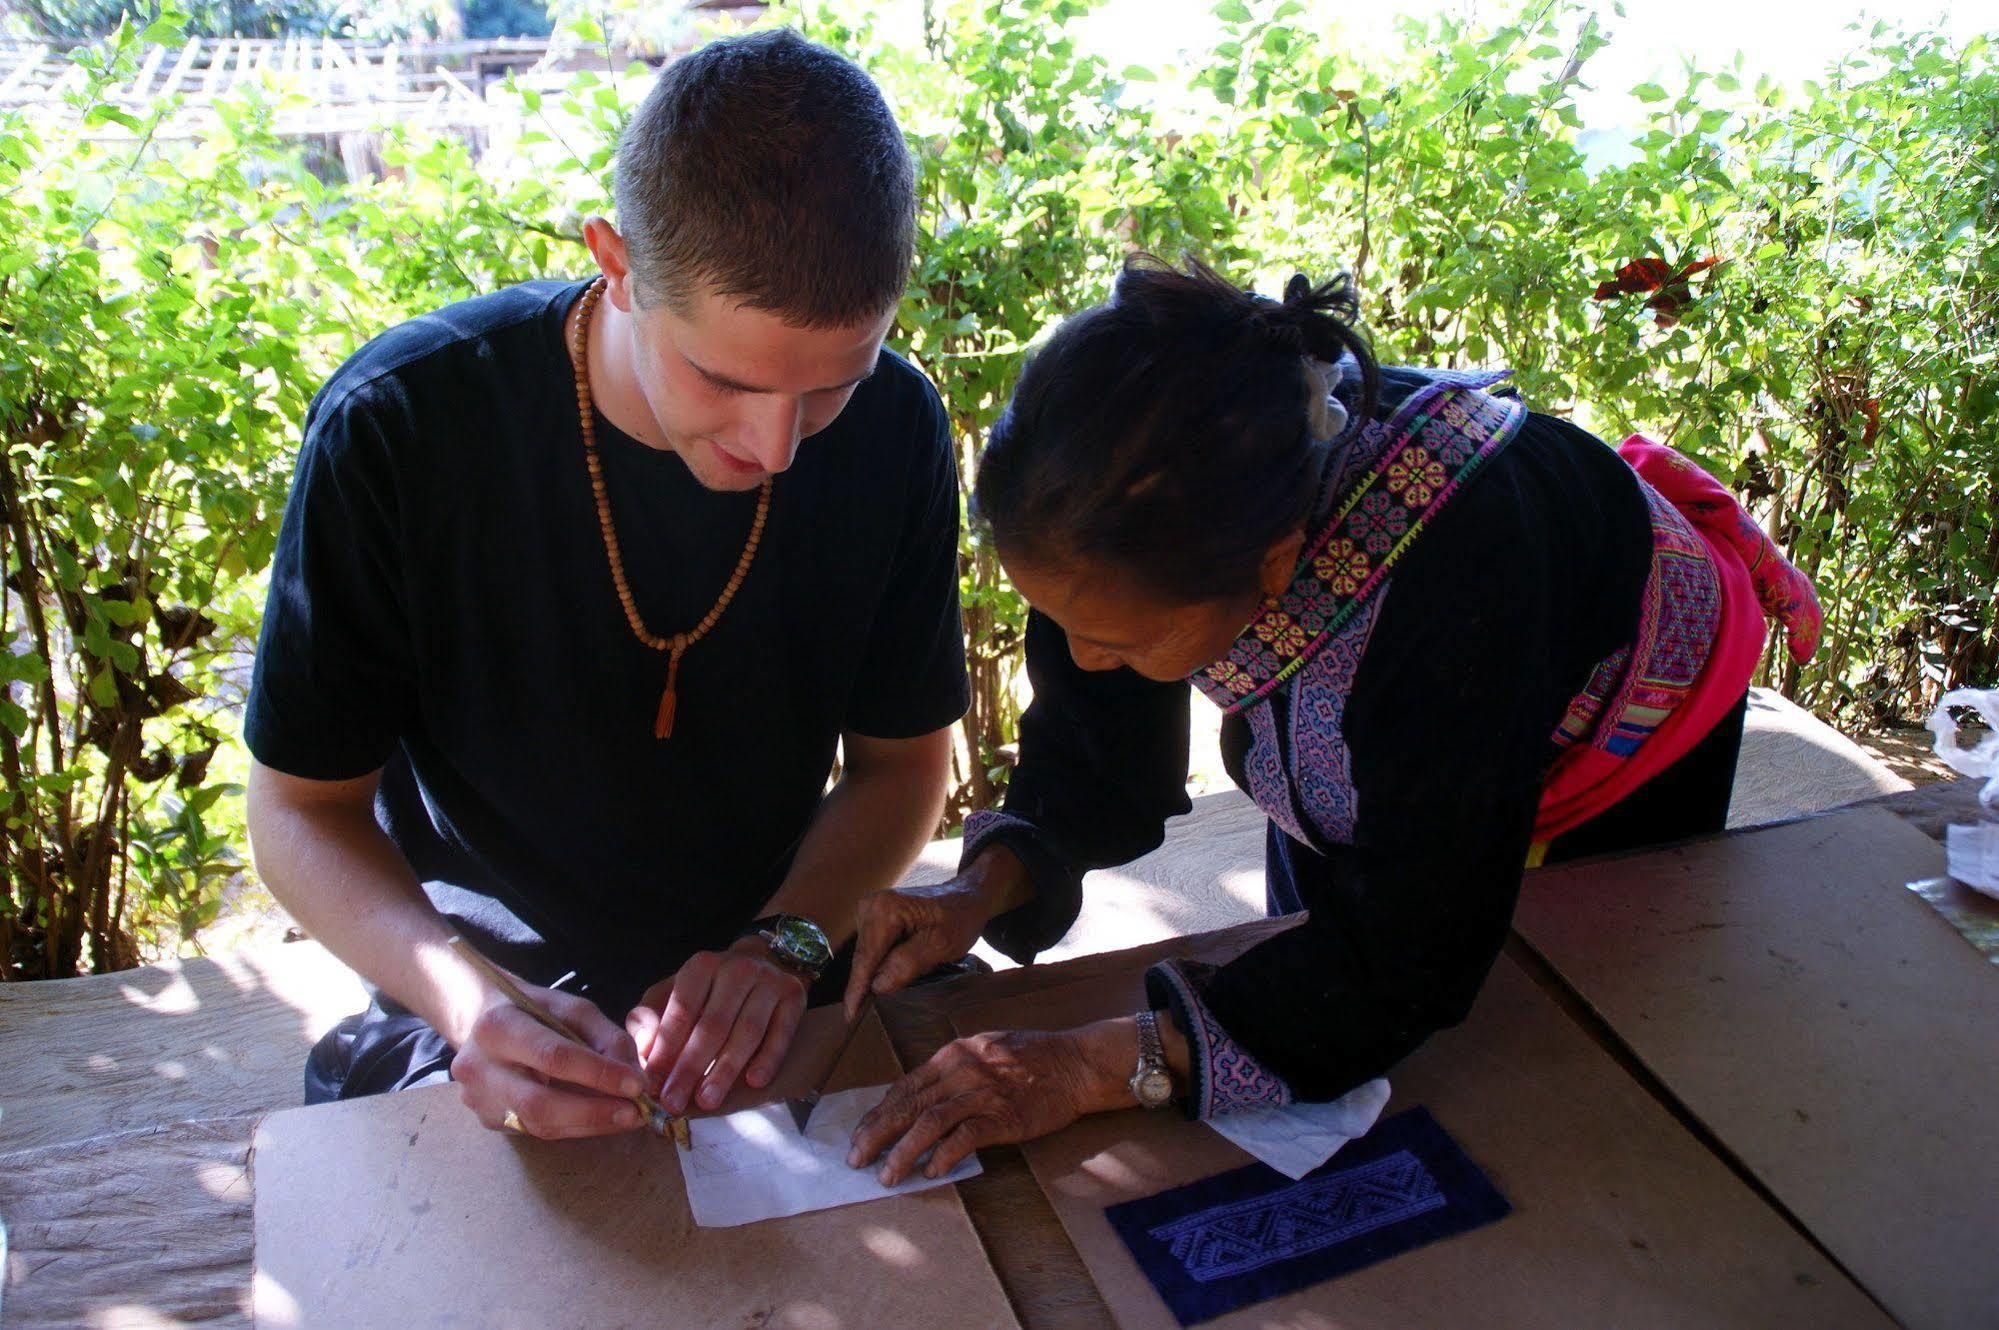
(754, 1165)
(1297, 1139)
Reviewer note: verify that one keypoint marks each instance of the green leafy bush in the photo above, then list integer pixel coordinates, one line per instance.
(168, 308)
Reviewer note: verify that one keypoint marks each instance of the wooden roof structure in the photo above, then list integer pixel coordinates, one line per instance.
(341, 86)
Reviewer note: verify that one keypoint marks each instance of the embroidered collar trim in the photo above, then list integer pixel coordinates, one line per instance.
(1405, 470)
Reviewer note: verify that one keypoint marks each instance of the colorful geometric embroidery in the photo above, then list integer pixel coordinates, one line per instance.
(1226, 1077)
(1440, 435)
(1319, 754)
(981, 827)
(1785, 594)
(1234, 1239)
(1633, 691)
(1269, 783)
(1250, 1234)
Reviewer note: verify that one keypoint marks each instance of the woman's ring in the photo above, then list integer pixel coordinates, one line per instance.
(512, 1122)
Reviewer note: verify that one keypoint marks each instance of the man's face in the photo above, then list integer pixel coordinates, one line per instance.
(735, 389)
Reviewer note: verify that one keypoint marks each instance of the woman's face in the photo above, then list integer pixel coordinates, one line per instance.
(1111, 621)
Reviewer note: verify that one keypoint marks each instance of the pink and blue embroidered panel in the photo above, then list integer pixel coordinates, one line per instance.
(1319, 753)
(1252, 1234)
(1226, 1077)
(1638, 686)
(1269, 782)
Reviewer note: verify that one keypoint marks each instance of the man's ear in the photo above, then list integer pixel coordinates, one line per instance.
(1280, 561)
(608, 248)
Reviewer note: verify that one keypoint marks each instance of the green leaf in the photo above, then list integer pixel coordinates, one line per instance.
(1649, 92)
(101, 112)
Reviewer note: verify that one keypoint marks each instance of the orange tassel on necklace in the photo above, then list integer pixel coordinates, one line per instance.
(669, 700)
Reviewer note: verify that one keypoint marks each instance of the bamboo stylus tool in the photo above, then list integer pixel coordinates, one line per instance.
(651, 1111)
(801, 1107)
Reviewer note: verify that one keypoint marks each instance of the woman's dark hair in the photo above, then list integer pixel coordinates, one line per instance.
(1166, 432)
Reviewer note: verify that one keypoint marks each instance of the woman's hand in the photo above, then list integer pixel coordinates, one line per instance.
(995, 1089)
(904, 933)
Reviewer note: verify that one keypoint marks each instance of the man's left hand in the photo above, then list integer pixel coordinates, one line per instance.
(723, 1014)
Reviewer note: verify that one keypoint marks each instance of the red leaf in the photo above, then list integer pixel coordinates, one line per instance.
(1670, 288)
(1644, 274)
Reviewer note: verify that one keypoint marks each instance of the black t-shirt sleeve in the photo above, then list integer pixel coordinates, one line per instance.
(333, 681)
(912, 678)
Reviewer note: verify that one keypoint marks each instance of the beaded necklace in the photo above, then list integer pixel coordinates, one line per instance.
(677, 645)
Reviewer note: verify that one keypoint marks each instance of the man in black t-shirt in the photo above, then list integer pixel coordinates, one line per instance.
(557, 655)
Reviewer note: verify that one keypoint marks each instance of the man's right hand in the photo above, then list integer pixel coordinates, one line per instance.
(511, 1063)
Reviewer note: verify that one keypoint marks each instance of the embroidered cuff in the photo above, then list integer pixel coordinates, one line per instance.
(1021, 933)
(1225, 1076)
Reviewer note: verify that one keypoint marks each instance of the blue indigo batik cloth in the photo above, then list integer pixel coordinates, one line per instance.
(1252, 1233)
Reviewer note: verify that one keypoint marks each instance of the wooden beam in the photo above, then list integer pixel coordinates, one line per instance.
(72, 74)
(337, 71)
(19, 73)
(181, 66)
(214, 79)
(457, 84)
(143, 80)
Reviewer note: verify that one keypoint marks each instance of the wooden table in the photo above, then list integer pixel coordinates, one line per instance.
(153, 1227)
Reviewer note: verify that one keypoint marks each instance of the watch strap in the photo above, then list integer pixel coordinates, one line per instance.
(1152, 1066)
(1151, 1051)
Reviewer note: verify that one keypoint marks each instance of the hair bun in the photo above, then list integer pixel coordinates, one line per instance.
(1297, 322)
(1282, 325)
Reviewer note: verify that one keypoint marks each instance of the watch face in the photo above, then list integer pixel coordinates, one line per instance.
(1155, 1088)
(802, 940)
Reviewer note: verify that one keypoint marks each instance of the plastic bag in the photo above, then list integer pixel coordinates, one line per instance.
(1973, 851)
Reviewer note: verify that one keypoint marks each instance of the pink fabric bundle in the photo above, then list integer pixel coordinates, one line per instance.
(1756, 580)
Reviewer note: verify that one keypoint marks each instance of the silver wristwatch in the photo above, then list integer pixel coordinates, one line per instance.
(1152, 1083)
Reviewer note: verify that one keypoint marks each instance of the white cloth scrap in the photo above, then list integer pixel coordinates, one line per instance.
(1298, 1138)
(754, 1165)
(1973, 854)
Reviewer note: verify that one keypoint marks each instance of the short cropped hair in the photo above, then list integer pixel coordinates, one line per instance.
(768, 169)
